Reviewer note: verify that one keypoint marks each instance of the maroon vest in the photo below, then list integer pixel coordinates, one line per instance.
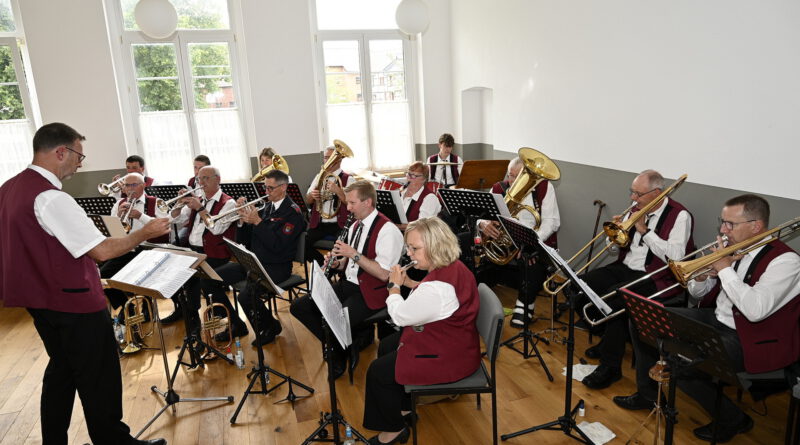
(341, 215)
(373, 289)
(453, 168)
(446, 350)
(192, 181)
(213, 245)
(774, 342)
(36, 271)
(664, 226)
(538, 198)
(412, 214)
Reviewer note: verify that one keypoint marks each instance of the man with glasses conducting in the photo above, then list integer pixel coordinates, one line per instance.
(664, 234)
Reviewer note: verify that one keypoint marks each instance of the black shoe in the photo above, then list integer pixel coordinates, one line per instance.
(150, 442)
(173, 317)
(602, 377)
(592, 352)
(405, 433)
(634, 402)
(519, 320)
(239, 330)
(410, 419)
(724, 433)
(268, 335)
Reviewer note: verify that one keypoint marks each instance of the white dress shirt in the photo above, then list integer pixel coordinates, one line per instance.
(430, 301)
(779, 283)
(142, 220)
(196, 236)
(61, 216)
(672, 248)
(443, 173)
(328, 206)
(389, 246)
(430, 205)
(548, 212)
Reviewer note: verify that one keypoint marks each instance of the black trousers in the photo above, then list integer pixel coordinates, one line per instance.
(603, 280)
(83, 358)
(384, 398)
(305, 310)
(320, 232)
(696, 384)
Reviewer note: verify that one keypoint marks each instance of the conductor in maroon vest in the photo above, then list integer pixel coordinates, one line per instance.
(664, 234)
(447, 175)
(48, 254)
(318, 227)
(373, 245)
(202, 239)
(439, 339)
(752, 301)
(144, 210)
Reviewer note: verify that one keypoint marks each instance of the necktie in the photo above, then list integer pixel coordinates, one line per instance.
(646, 223)
(356, 235)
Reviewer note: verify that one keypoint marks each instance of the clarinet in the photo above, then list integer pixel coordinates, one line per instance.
(342, 237)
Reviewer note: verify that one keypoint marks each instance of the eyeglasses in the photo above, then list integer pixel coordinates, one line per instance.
(412, 249)
(206, 178)
(414, 175)
(639, 195)
(134, 185)
(271, 188)
(731, 224)
(81, 156)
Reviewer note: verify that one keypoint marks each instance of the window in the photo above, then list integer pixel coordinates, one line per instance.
(377, 129)
(184, 92)
(16, 124)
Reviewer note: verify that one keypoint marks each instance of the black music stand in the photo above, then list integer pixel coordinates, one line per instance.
(389, 204)
(164, 192)
(98, 205)
(293, 190)
(525, 239)
(237, 189)
(261, 371)
(566, 422)
(100, 224)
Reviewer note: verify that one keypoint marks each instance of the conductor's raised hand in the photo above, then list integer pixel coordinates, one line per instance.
(156, 227)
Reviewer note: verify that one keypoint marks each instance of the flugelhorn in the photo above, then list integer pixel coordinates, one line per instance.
(617, 233)
(113, 187)
(278, 163)
(214, 325)
(341, 151)
(166, 206)
(232, 215)
(134, 310)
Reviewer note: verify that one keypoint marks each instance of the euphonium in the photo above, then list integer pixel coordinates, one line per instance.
(536, 168)
(278, 163)
(341, 151)
(215, 324)
(134, 321)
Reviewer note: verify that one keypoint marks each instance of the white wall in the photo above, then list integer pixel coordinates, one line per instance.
(436, 62)
(705, 88)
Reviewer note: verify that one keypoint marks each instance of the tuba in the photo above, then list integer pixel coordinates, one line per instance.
(536, 168)
(326, 176)
(134, 323)
(278, 163)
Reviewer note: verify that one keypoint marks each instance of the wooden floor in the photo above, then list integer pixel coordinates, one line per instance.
(525, 396)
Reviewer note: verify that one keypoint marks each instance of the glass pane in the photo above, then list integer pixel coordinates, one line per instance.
(356, 14)
(347, 122)
(192, 14)
(16, 140)
(391, 135)
(156, 77)
(165, 140)
(387, 69)
(11, 106)
(220, 138)
(157, 60)
(7, 73)
(6, 17)
(342, 71)
(211, 75)
(159, 95)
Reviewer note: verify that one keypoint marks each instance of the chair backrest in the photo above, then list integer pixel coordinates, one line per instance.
(490, 320)
(300, 255)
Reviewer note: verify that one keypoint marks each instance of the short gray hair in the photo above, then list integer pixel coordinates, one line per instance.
(654, 178)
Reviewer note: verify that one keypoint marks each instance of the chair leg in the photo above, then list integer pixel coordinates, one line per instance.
(494, 416)
(478, 399)
(414, 425)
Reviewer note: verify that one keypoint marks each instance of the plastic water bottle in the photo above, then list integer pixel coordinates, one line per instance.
(119, 331)
(581, 409)
(229, 354)
(348, 437)
(239, 355)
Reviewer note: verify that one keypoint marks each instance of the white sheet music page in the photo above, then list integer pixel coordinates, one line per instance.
(398, 203)
(599, 302)
(163, 271)
(328, 303)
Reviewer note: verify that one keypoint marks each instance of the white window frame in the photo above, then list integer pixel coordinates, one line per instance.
(24, 92)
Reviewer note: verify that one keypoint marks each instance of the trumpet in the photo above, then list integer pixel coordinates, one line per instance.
(214, 325)
(658, 271)
(232, 215)
(113, 187)
(134, 321)
(617, 233)
(166, 206)
(125, 219)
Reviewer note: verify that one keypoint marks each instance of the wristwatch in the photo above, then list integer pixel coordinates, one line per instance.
(391, 285)
(356, 257)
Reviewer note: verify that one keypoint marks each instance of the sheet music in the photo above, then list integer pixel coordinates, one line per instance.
(328, 303)
(599, 302)
(238, 249)
(500, 201)
(163, 271)
(114, 225)
(398, 203)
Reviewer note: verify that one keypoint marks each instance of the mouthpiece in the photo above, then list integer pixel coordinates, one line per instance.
(408, 266)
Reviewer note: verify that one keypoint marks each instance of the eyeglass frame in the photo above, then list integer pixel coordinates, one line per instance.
(730, 225)
(415, 175)
(81, 156)
(639, 195)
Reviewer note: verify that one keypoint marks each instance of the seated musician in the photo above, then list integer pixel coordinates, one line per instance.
(202, 239)
(418, 201)
(271, 234)
(373, 245)
(265, 159)
(543, 199)
(199, 162)
(439, 340)
(144, 210)
(752, 301)
(447, 175)
(319, 228)
(133, 164)
(664, 234)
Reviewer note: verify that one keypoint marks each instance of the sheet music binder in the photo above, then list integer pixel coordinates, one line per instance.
(141, 282)
(389, 204)
(237, 189)
(97, 205)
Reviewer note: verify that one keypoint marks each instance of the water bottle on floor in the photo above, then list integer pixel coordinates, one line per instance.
(348, 437)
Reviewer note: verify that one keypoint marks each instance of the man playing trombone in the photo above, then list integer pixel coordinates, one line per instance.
(750, 298)
(664, 233)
